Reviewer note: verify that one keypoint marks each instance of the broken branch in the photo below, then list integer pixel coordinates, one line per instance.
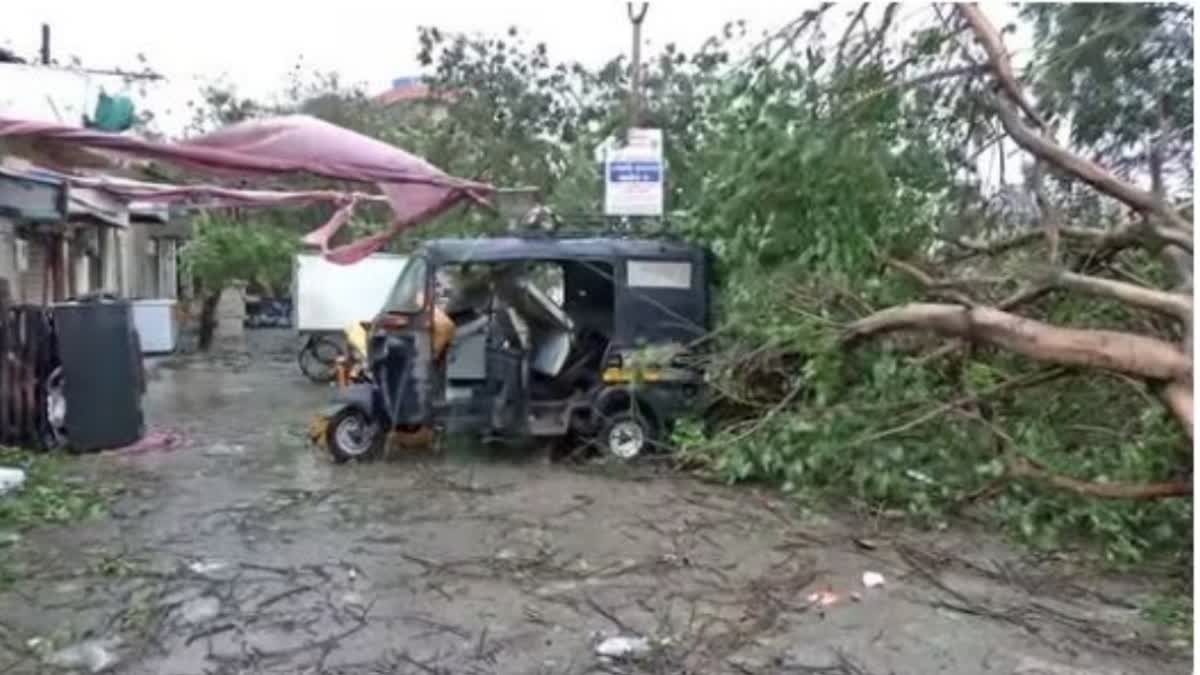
(989, 37)
(1163, 302)
(1027, 468)
(1043, 147)
(1091, 173)
(929, 282)
(1178, 397)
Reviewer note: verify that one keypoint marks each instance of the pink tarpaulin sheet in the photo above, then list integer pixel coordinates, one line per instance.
(416, 190)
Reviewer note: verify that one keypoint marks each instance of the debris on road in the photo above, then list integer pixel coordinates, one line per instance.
(826, 598)
(623, 647)
(867, 544)
(1034, 666)
(872, 579)
(93, 656)
(208, 568)
(155, 440)
(199, 610)
(224, 449)
(10, 479)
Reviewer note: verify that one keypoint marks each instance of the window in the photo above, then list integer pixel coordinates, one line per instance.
(658, 274)
(408, 295)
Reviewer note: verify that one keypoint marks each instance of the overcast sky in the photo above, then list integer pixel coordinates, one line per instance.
(253, 44)
(256, 42)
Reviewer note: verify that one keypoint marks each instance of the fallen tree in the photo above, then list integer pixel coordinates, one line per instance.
(911, 336)
(1165, 365)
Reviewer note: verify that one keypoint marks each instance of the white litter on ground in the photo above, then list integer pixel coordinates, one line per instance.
(94, 656)
(200, 610)
(824, 598)
(872, 579)
(10, 479)
(623, 646)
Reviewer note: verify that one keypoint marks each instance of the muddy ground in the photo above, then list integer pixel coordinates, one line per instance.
(244, 551)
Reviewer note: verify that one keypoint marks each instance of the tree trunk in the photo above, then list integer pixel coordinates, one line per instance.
(208, 319)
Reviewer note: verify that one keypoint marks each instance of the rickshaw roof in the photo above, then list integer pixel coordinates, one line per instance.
(502, 249)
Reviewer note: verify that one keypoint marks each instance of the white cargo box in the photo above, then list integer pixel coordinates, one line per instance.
(155, 323)
(328, 297)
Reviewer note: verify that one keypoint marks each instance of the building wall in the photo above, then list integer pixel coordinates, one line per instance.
(8, 257)
(110, 250)
(133, 264)
(168, 268)
(149, 263)
(32, 273)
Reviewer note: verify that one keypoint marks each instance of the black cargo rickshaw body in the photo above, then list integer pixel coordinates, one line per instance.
(637, 293)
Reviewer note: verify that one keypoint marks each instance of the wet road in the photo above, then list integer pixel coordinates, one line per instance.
(247, 552)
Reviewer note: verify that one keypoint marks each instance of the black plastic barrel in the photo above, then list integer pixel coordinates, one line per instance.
(102, 371)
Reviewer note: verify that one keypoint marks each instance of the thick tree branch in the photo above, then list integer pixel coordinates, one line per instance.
(1144, 201)
(1046, 149)
(1123, 352)
(1163, 302)
(989, 37)
(1178, 397)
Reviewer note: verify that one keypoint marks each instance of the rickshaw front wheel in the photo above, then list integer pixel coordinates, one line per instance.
(627, 435)
(352, 435)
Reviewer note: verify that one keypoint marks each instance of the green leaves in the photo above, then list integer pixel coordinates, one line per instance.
(48, 496)
(223, 251)
(1119, 72)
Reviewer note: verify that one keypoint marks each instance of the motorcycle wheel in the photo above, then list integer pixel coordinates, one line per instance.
(318, 359)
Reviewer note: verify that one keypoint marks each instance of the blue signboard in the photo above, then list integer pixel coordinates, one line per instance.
(635, 172)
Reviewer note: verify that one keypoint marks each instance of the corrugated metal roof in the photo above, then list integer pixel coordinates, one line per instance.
(84, 201)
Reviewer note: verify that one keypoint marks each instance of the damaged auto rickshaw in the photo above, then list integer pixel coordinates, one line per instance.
(540, 337)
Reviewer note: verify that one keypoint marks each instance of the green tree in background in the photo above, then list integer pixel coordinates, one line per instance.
(224, 250)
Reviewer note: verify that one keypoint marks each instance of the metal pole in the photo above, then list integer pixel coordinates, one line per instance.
(635, 87)
(45, 44)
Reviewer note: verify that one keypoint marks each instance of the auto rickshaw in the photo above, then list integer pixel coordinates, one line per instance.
(569, 337)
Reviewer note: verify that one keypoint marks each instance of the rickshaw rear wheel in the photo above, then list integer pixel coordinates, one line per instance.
(352, 435)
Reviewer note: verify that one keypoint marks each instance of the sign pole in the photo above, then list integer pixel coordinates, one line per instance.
(635, 78)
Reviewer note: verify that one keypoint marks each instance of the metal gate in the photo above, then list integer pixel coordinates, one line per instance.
(27, 358)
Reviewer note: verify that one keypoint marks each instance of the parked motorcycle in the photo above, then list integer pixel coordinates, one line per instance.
(268, 314)
(323, 359)
(318, 357)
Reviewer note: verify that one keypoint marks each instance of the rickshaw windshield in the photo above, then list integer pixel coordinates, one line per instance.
(408, 295)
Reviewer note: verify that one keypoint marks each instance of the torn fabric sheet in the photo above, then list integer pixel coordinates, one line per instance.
(208, 196)
(416, 190)
(211, 196)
